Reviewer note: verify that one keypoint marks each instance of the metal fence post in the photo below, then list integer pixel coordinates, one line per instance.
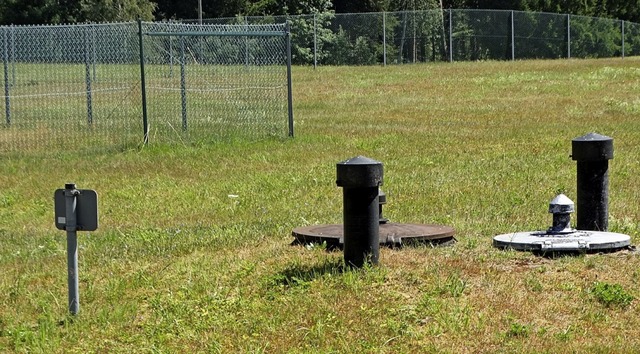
(414, 47)
(246, 44)
(450, 36)
(568, 36)
(287, 30)
(513, 38)
(384, 38)
(315, 41)
(93, 49)
(87, 66)
(170, 55)
(143, 88)
(13, 55)
(5, 61)
(183, 84)
(622, 30)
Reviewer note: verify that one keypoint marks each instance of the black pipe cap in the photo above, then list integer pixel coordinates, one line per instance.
(359, 172)
(592, 147)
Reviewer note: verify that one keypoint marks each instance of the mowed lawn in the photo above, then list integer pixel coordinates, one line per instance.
(193, 252)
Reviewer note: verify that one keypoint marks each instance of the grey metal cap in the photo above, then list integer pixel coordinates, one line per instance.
(561, 204)
(592, 147)
(359, 172)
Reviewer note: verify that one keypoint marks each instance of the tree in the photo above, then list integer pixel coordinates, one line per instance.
(117, 10)
(21, 12)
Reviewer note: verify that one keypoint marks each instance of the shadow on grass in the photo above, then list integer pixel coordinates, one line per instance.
(302, 275)
(562, 254)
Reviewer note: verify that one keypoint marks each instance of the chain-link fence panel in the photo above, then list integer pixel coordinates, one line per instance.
(416, 36)
(481, 35)
(593, 37)
(206, 82)
(447, 35)
(631, 38)
(357, 40)
(540, 35)
(69, 87)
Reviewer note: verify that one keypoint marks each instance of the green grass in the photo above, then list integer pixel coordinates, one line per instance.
(193, 249)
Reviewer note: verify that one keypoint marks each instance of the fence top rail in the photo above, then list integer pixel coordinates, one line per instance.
(401, 12)
(172, 27)
(67, 25)
(217, 34)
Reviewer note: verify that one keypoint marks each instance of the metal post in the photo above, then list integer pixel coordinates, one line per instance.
(450, 36)
(5, 61)
(513, 38)
(622, 30)
(87, 66)
(315, 42)
(170, 56)
(592, 152)
(143, 88)
(70, 194)
(287, 31)
(13, 55)
(183, 84)
(360, 178)
(384, 39)
(246, 43)
(415, 54)
(93, 50)
(568, 36)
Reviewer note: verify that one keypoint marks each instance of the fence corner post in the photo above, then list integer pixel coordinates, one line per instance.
(384, 38)
(143, 88)
(622, 31)
(287, 34)
(5, 61)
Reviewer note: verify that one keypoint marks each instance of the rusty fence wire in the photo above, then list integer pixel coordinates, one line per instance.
(120, 85)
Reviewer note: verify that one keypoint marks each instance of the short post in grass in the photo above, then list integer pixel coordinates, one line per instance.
(592, 153)
(75, 210)
(360, 177)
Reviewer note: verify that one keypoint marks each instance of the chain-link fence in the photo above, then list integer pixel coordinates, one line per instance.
(216, 81)
(452, 35)
(85, 86)
(80, 87)
(69, 85)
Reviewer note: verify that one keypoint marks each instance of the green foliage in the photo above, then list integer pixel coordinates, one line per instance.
(518, 330)
(117, 10)
(611, 295)
(303, 36)
(66, 11)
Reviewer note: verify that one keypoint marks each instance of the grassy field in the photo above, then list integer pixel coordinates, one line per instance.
(193, 251)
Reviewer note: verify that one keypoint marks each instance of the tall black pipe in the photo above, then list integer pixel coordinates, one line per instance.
(360, 178)
(592, 153)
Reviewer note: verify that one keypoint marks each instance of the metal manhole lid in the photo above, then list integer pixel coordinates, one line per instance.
(390, 233)
(577, 241)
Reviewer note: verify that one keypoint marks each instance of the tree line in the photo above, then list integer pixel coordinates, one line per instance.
(21, 12)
